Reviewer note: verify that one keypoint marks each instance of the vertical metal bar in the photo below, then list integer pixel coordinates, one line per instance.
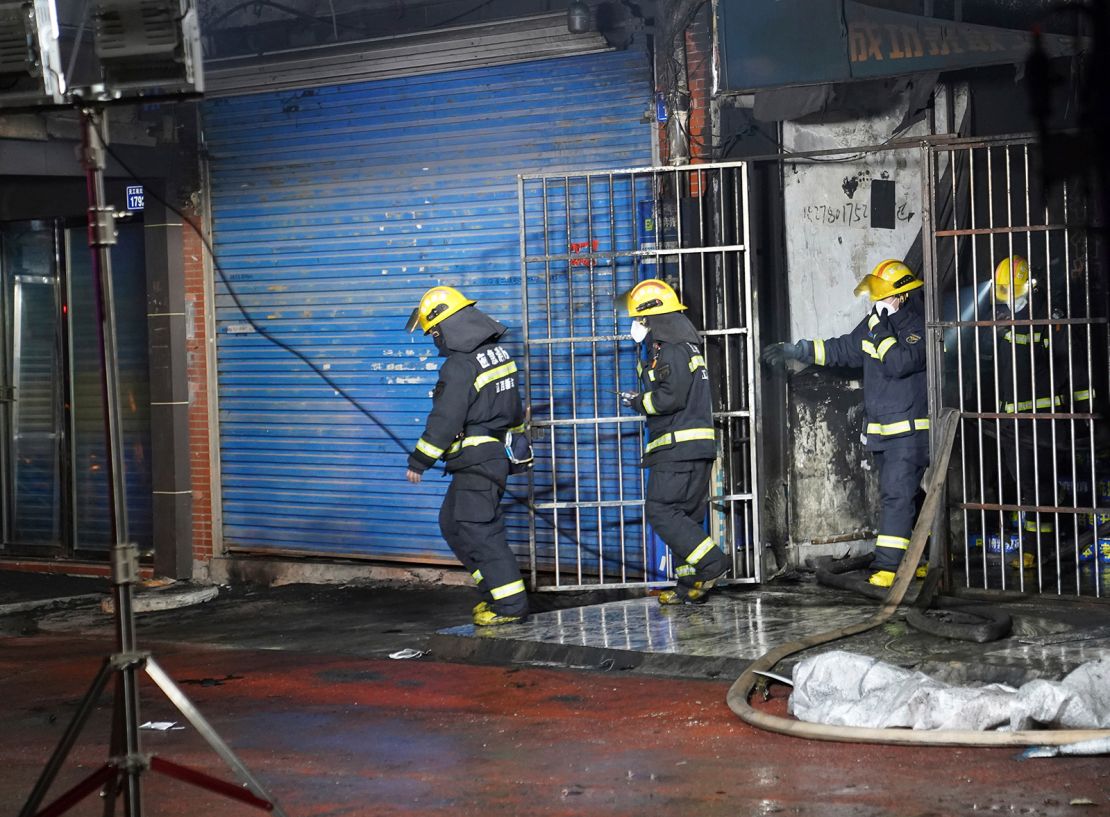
(593, 372)
(1070, 375)
(550, 350)
(1050, 344)
(1009, 238)
(526, 338)
(728, 235)
(935, 359)
(1096, 523)
(998, 346)
(617, 358)
(751, 320)
(569, 210)
(979, 366)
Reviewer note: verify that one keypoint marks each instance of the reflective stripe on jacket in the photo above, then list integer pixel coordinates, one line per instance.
(677, 403)
(474, 403)
(891, 351)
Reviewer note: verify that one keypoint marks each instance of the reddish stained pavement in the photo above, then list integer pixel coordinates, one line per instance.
(341, 736)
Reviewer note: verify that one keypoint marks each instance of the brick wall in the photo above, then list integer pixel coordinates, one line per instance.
(698, 63)
(199, 462)
(699, 56)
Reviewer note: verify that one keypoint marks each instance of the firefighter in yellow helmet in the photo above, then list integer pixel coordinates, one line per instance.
(474, 404)
(1027, 383)
(681, 448)
(889, 345)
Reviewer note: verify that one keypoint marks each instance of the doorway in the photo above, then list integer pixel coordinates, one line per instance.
(52, 440)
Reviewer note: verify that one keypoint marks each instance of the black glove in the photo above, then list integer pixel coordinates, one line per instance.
(776, 354)
(627, 397)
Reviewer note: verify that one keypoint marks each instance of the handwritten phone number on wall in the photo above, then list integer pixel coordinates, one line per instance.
(852, 212)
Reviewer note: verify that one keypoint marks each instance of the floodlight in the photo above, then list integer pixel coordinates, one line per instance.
(30, 66)
(148, 47)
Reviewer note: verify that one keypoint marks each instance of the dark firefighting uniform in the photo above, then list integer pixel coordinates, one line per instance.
(474, 404)
(1030, 381)
(891, 351)
(681, 447)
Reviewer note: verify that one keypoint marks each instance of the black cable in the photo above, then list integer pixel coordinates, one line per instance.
(265, 333)
(466, 13)
(293, 12)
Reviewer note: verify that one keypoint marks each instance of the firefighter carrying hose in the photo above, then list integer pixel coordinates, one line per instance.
(888, 344)
(474, 405)
(681, 448)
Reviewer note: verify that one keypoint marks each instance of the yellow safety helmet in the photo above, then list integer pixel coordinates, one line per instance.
(652, 297)
(1011, 279)
(890, 277)
(437, 304)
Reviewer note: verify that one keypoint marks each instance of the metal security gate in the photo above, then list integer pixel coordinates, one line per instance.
(1029, 499)
(586, 238)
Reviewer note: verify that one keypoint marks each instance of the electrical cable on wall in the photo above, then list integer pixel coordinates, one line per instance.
(323, 375)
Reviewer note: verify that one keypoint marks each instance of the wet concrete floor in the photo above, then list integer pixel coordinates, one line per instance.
(332, 735)
(298, 682)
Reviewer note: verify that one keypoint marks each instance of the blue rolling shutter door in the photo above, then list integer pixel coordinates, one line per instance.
(333, 210)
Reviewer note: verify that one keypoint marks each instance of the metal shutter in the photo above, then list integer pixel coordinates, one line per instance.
(333, 210)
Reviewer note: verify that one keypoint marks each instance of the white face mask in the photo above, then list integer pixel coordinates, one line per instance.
(638, 331)
(1019, 303)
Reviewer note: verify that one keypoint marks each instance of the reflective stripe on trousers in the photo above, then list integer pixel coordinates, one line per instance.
(506, 590)
(683, 436)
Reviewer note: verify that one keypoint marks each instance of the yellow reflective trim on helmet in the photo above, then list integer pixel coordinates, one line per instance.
(496, 373)
(819, 352)
(428, 450)
(699, 552)
(896, 542)
(885, 347)
(506, 590)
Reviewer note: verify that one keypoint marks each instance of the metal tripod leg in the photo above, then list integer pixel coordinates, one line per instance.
(50, 771)
(126, 762)
(192, 714)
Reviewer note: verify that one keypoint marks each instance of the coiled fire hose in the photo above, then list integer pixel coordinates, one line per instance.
(741, 689)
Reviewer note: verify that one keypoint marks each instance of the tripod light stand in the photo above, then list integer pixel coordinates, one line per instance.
(138, 41)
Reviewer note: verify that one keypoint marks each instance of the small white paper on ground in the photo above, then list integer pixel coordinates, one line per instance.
(161, 726)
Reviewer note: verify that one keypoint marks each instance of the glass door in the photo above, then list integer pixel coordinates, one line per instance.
(32, 391)
(53, 447)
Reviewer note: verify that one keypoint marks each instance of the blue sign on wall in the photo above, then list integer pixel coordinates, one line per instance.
(135, 197)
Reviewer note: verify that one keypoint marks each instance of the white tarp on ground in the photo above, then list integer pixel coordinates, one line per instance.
(844, 689)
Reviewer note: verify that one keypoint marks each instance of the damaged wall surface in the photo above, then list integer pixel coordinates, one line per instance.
(843, 215)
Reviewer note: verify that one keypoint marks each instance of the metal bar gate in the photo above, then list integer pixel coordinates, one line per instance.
(586, 238)
(1023, 355)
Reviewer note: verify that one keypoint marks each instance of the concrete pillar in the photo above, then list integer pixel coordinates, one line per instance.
(169, 391)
